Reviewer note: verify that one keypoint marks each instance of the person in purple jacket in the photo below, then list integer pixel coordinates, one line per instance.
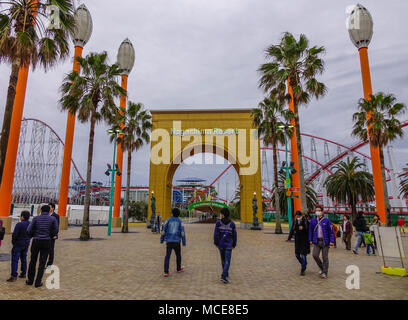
(225, 239)
(322, 237)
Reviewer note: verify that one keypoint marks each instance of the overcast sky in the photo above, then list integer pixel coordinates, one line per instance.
(205, 54)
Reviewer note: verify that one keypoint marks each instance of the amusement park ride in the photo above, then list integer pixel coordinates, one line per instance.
(40, 152)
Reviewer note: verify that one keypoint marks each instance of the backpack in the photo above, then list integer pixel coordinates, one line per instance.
(2, 233)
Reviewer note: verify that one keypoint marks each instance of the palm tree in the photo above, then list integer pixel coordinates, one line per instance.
(311, 195)
(26, 39)
(295, 62)
(91, 97)
(268, 117)
(348, 184)
(380, 115)
(404, 182)
(135, 123)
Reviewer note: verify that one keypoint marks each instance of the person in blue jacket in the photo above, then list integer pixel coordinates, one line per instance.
(173, 233)
(21, 242)
(225, 239)
(322, 237)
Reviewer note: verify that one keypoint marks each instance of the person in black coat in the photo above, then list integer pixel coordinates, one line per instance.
(361, 226)
(302, 245)
(52, 247)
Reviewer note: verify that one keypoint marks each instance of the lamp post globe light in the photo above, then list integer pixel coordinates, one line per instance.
(126, 56)
(80, 37)
(360, 27)
(83, 26)
(126, 61)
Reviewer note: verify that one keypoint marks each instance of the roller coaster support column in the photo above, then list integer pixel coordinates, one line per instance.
(7, 180)
(66, 163)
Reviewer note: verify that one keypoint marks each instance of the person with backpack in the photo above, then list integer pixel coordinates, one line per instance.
(173, 233)
(21, 242)
(42, 229)
(361, 226)
(322, 237)
(225, 239)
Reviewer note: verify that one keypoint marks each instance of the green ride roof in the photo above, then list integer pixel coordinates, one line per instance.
(209, 205)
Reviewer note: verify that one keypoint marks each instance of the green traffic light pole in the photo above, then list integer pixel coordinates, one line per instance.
(113, 171)
(288, 181)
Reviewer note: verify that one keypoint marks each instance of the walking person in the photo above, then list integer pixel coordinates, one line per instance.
(158, 223)
(361, 226)
(225, 239)
(335, 232)
(20, 241)
(302, 245)
(347, 230)
(368, 237)
(42, 229)
(56, 216)
(2, 231)
(173, 233)
(376, 223)
(322, 237)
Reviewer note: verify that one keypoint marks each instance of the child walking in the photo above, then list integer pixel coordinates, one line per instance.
(369, 241)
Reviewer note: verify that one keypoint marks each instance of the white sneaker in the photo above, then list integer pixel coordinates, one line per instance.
(320, 272)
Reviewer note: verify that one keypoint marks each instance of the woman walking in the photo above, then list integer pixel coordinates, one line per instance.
(302, 245)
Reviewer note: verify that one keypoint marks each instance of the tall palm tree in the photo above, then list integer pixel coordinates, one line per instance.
(135, 123)
(404, 182)
(294, 61)
(380, 115)
(268, 117)
(91, 97)
(26, 39)
(350, 184)
(311, 196)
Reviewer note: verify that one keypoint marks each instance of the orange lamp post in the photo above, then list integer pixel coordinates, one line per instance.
(7, 181)
(294, 152)
(80, 37)
(126, 61)
(360, 26)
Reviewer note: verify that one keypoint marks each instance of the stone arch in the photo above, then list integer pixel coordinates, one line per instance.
(231, 147)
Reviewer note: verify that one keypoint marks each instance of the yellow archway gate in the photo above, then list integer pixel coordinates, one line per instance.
(179, 134)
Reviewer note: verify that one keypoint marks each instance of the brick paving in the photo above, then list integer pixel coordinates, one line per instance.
(263, 267)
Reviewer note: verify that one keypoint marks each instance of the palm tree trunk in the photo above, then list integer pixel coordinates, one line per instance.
(386, 200)
(125, 227)
(85, 234)
(303, 200)
(8, 112)
(278, 227)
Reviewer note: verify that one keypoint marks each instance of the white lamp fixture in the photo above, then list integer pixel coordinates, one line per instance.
(126, 56)
(84, 26)
(360, 26)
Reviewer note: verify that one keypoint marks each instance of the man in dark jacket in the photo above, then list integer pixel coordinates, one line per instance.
(42, 229)
(56, 216)
(225, 238)
(302, 245)
(347, 229)
(21, 242)
(322, 237)
(361, 226)
(173, 233)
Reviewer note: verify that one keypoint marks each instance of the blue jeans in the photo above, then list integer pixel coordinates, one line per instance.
(359, 240)
(370, 246)
(225, 261)
(302, 260)
(177, 249)
(18, 253)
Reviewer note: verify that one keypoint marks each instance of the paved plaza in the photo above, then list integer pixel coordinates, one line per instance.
(263, 267)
